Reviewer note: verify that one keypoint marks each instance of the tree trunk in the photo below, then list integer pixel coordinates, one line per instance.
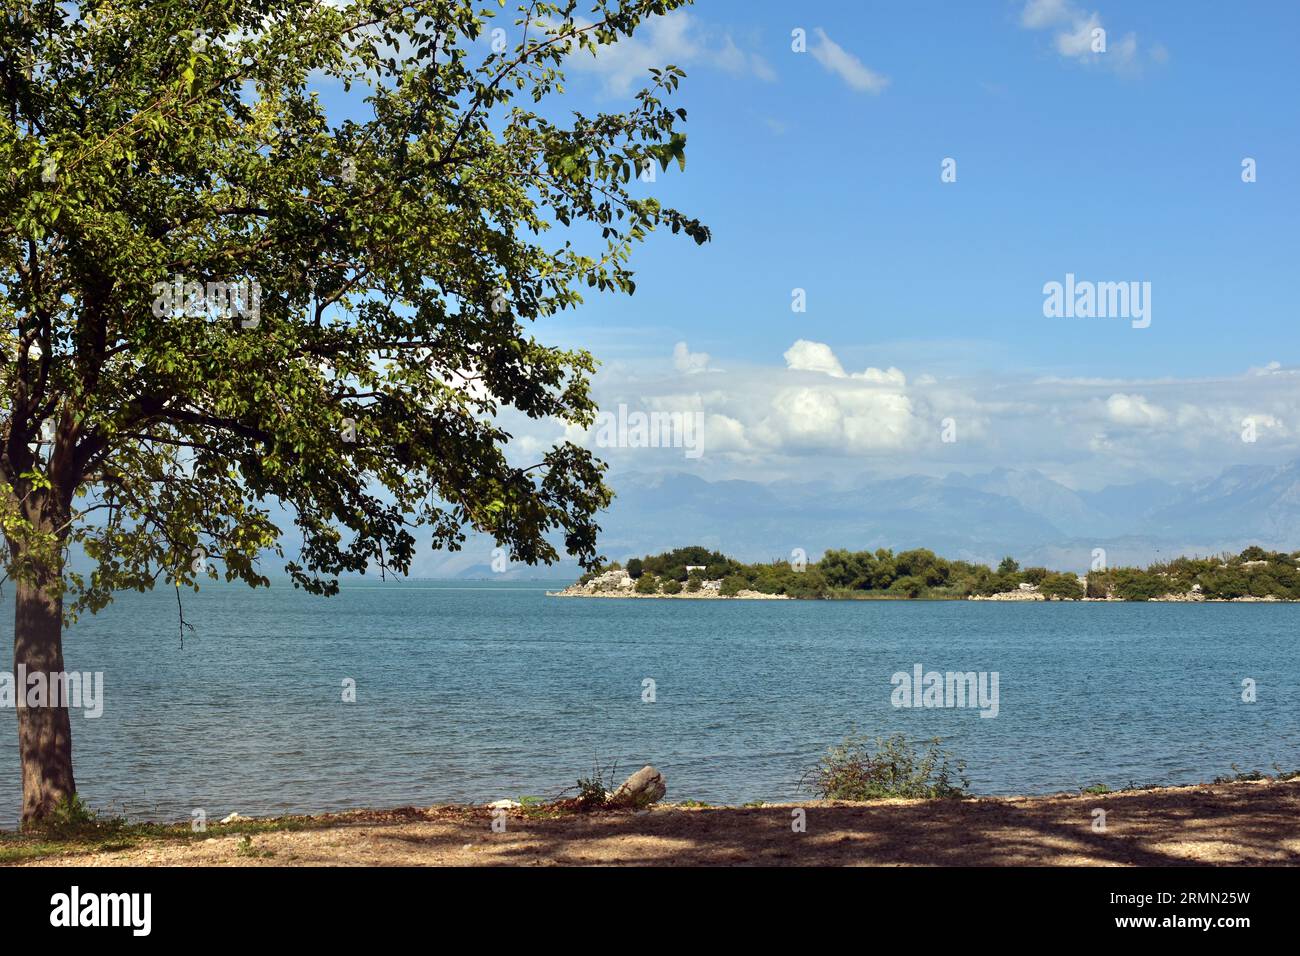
(44, 732)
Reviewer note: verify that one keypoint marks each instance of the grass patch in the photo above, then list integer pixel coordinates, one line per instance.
(75, 829)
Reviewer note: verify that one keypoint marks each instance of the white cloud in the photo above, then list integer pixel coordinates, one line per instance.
(890, 376)
(1075, 34)
(688, 362)
(845, 65)
(1077, 40)
(1044, 13)
(805, 356)
(1134, 410)
(1275, 368)
(808, 414)
(738, 62)
(676, 38)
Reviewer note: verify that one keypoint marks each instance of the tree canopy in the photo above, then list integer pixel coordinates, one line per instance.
(220, 304)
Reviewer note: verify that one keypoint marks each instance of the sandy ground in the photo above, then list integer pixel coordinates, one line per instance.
(1224, 824)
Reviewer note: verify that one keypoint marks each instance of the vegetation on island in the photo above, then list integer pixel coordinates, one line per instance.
(920, 573)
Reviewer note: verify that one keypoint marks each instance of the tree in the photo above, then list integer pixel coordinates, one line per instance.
(1062, 586)
(634, 568)
(226, 313)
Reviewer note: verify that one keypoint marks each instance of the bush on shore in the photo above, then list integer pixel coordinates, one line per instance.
(862, 769)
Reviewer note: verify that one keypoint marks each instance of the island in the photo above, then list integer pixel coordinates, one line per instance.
(919, 574)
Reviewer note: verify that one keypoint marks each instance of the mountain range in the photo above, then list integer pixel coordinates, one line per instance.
(977, 517)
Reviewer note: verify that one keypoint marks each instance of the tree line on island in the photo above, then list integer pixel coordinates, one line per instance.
(920, 573)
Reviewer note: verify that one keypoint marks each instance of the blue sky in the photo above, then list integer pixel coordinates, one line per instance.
(821, 170)
(1124, 171)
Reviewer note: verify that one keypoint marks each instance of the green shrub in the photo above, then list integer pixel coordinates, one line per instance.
(859, 769)
(647, 584)
(732, 585)
(1132, 584)
(671, 586)
(71, 818)
(1062, 586)
(912, 587)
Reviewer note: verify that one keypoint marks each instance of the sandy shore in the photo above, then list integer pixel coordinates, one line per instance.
(1250, 823)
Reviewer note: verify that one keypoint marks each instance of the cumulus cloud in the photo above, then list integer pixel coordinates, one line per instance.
(805, 356)
(809, 414)
(845, 65)
(688, 362)
(889, 376)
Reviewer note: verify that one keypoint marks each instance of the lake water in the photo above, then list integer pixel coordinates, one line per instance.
(474, 692)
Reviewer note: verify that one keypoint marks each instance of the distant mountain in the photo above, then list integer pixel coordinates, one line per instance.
(977, 517)
(1130, 506)
(1067, 510)
(1244, 501)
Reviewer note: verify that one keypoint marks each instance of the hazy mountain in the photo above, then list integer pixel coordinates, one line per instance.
(1243, 501)
(1067, 510)
(979, 517)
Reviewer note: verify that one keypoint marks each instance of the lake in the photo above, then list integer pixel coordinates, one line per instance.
(479, 691)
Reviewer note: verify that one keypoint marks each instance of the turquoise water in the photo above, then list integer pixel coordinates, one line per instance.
(476, 692)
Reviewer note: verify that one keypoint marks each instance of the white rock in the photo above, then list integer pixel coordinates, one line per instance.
(504, 805)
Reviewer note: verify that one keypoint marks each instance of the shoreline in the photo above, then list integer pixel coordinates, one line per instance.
(1239, 823)
(1005, 597)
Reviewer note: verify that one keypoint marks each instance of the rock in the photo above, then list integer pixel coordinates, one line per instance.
(235, 818)
(504, 805)
(643, 788)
